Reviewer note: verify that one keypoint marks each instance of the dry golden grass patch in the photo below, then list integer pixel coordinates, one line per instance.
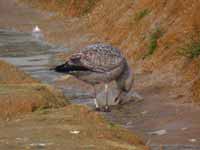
(20, 93)
(65, 7)
(15, 98)
(9, 74)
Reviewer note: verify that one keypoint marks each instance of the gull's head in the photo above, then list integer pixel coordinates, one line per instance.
(124, 83)
(36, 29)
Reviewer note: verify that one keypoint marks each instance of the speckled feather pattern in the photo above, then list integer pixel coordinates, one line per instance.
(98, 57)
(99, 63)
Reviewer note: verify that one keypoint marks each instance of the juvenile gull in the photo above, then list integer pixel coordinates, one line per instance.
(100, 63)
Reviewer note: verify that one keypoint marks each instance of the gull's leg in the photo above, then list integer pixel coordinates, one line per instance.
(106, 92)
(117, 97)
(97, 108)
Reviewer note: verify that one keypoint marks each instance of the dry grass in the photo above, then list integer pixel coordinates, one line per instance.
(16, 99)
(9, 74)
(20, 93)
(55, 126)
(196, 91)
(65, 7)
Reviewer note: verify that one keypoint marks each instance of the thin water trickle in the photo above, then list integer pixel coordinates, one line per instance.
(31, 53)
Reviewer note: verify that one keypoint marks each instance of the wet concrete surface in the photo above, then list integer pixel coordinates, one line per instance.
(156, 112)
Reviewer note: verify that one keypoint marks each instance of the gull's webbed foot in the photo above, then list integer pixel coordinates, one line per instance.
(106, 109)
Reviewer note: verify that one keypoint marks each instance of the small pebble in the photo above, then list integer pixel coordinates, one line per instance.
(38, 144)
(144, 112)
(183, 129)
(36, 29)
(192, 140)
(129, 123)
(74, 132)
(159, 132)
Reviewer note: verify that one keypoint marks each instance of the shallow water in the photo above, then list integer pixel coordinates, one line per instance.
(35, 56)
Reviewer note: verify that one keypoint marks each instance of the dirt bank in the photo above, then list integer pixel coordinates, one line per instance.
(19, 93)
(73, 127)
(11, 75)
(71, 8)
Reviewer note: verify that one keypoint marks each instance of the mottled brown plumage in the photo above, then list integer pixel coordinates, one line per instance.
(99, 63)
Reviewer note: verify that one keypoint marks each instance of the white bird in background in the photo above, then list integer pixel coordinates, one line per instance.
(36, 29)
(37, 33)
